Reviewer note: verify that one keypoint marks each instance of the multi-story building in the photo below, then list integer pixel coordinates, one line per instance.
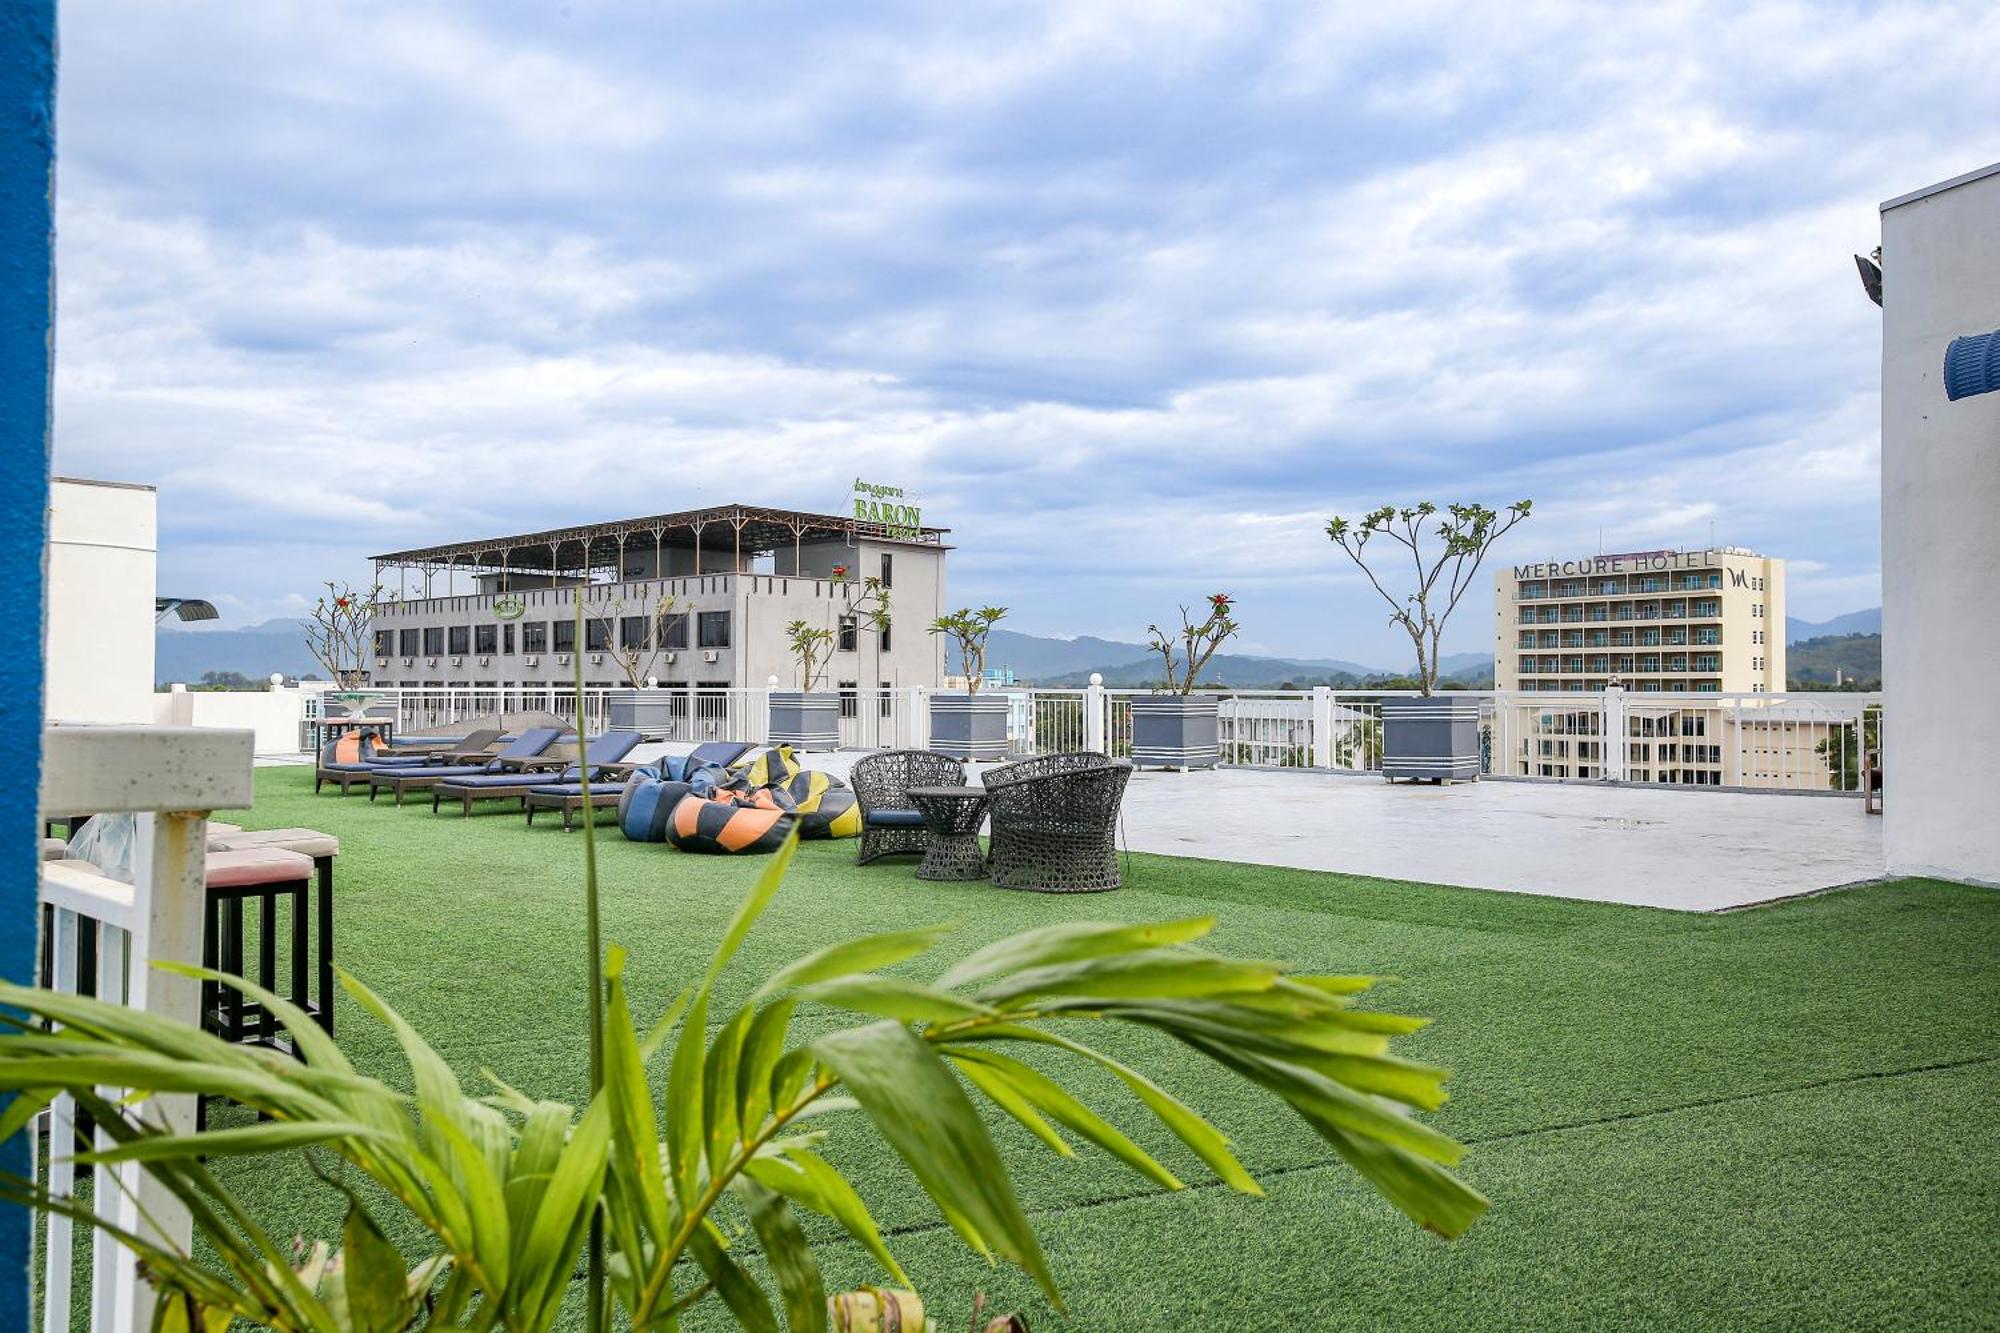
(700, 598)
(1703, 622)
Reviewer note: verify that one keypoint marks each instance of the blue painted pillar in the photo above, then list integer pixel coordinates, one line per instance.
(27, 330)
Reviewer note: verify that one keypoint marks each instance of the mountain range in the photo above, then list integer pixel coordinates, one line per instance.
(1854, 622)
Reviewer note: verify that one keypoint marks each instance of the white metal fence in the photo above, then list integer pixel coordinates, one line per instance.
(1778, 742)
(102, 938)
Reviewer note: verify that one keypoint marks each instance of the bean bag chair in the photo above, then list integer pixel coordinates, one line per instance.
(825, 805)
(728, 827)
(770, 766)
(707, 779)
(646, 806)
(356, 749)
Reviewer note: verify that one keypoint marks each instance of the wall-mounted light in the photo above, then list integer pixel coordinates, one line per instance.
(1972, 365)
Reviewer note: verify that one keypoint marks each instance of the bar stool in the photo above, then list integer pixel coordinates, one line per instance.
(321, 849)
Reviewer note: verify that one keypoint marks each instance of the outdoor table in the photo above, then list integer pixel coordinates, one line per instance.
(952, 816)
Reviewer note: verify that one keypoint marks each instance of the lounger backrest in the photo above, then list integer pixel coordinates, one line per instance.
(531, 743)
(477, 741)
(720, 753)
(606, 749)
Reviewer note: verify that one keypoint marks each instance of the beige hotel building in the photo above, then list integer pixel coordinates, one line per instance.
(1701, 622)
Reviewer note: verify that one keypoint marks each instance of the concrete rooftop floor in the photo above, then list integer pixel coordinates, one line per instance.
(1684, 849)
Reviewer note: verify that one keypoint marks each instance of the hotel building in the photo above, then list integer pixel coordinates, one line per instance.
(1703, 622)
(701, 598)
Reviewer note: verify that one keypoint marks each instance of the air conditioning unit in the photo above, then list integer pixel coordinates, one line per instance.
(409, 661)
(709, 655)
(672, 658)
(531, 660)
(458, 661)
(381, 661)
(597, 659)
(430, 661)
(562, 659)
(486, 661)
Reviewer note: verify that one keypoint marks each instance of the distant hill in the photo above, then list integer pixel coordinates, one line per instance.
(1854, 622)
(183, 655)
(1067, 663)
(1856, 657)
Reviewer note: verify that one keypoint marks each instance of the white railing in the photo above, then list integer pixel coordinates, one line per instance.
(1774, 742)
(172, 777)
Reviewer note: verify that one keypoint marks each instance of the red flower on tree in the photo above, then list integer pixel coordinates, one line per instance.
(840, 571)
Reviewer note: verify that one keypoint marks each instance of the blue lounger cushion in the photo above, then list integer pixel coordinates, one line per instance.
(895, 819)
(529, 746)
(720, 753)
(481, 778)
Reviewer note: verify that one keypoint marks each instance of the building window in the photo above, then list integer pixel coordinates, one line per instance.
(887, 701)
(632, 633)
(888, 570)
(885, 636)
(433, 641)
(460, 639)
(563, 632)
(385, 642)
(849, 631)
(534, 636)
(484, 638)
(713, 628)
(407, 639)
(596, 634)
(674, 630)
(850, 699)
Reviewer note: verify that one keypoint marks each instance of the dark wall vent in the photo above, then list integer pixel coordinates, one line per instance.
(1972, 365)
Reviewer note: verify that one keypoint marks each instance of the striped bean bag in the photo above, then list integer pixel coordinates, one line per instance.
(646, 807)
(826, 806)
(770, 766)
(728, 827)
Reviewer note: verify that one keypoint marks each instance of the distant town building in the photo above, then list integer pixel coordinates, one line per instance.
(730, 579)
(1704, 622)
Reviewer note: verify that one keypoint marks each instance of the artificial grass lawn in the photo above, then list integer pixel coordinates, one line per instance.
(1775, 1117)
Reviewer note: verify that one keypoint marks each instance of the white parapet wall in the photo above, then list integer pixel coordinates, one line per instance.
(275, 716)
(99, 646)
(1940, 525)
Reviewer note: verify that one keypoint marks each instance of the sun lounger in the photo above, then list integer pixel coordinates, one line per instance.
(600, 758)
(527, 749)
(473, 748)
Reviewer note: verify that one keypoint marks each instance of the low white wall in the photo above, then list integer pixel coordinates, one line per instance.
(274, 715)
(1940, 493)
(98, 653)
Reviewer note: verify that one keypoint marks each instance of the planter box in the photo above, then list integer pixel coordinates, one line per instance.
(648, 712)
(969, 726)
(1172, 731)
(806, 722)
(1435, 738)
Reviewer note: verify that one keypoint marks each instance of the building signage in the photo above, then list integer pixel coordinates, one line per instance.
(1632, 561)
(508, 608)
(888, 506)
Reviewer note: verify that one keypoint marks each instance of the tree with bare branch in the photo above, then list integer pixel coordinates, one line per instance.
(337, 631)
(635, 660)
(1187, 654)
(1447, 557)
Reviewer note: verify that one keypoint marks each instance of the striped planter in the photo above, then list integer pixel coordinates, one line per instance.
(1435, 738)
(1175, 731)
(806, 722)
(969, 726)
(648, 712)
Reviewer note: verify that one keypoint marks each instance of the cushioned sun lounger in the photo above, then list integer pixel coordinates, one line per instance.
(475, 747)
(600, 757)
(530, 747)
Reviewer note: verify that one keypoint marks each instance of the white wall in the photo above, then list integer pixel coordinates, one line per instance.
(1940, 528)
(274, 715)
(99, 650)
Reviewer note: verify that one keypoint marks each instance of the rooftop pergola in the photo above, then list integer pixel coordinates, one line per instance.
(581, 552)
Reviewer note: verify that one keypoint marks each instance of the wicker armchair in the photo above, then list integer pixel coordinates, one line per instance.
(1055, 822)
(889, 821)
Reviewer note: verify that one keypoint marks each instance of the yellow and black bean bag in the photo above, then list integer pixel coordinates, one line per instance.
(770, 766)
(729, 826)
(825, 805)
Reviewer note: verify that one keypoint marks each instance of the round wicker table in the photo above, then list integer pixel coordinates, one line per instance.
(952, 816)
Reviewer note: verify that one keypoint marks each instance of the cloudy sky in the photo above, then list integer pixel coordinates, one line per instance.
(1134, 295)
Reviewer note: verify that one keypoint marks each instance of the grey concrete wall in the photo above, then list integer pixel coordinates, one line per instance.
(1940, 520)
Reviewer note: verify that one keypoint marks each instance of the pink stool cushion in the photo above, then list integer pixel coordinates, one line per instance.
(54, 849)
(304, 841)
(257, 865)
(217, 829)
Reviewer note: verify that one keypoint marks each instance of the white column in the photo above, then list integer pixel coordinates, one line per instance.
(1094, 704)
(1322, 727)
(1614, 734)
(918, 704)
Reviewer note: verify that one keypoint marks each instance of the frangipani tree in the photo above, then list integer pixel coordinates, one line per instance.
(337, 630)
(1445, 556)
(968, 629)
(1187, 654)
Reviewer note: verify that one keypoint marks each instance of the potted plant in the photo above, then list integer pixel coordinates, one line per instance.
(968, 725)
(808, 718)
(641, 707)
(1174, 727)
(1428, 736)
